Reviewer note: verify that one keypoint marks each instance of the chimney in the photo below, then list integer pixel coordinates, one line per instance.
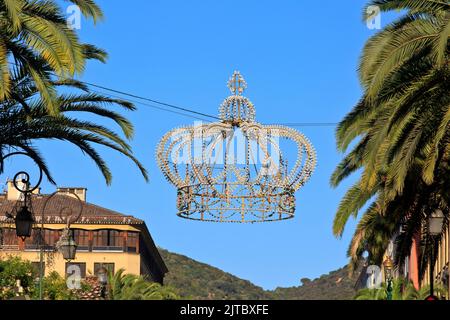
(13, 194)
(72, 191)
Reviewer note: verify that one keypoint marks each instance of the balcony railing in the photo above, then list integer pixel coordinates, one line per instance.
(37, 247)
(9, 247)
(80, 248)
(107, 248)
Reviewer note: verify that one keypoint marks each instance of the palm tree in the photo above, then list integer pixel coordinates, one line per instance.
(372, 234)
(34, 34)
(402, 123)
(423, 30)
(132, 287)
(25, 120)
(424, 291)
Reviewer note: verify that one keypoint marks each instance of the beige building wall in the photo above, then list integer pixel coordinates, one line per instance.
(442, 260)
(13, 194)
(131, 262)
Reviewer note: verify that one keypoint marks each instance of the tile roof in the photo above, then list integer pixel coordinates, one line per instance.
(60, 206)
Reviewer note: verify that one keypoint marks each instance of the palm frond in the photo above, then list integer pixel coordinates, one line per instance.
(89, 9)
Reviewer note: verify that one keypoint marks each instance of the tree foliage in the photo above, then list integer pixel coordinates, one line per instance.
(123, 286)
(400, 130)
(35, 39)
(39, 54)
(402, 289)
(54, 287)
(13, 272)
(199, 281)
(24, 120)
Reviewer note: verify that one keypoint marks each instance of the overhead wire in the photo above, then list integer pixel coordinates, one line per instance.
(183, 111)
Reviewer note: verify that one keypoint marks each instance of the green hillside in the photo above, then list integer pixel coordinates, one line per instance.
(196, 280)
(333, 286)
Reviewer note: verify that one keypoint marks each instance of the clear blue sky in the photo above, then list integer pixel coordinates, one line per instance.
(299, 59)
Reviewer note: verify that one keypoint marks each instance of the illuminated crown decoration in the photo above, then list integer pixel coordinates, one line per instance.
(233, 170)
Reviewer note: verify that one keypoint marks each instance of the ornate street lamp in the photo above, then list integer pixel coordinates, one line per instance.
(67, 245)
(435, 226)
(436, 222)
(24, 217)
(24, 222)
(388, 271)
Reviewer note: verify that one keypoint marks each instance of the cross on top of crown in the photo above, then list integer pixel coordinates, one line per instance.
(237, 84)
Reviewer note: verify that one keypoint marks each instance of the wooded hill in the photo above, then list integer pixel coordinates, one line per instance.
(196, 280)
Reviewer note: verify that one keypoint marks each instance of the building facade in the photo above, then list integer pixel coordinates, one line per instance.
(105, 238)
(412, 265)
(441, 267)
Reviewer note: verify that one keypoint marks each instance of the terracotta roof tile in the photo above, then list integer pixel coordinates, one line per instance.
(60, 206)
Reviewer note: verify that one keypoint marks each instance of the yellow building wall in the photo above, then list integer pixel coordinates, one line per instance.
(442, 260)
(55, 262)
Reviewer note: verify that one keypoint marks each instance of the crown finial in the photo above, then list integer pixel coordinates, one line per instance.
(237, 84)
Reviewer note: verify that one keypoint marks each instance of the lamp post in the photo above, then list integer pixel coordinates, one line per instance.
(102, 275)
(435, 225)
(24, 218)
(388, 269)
(66, 245)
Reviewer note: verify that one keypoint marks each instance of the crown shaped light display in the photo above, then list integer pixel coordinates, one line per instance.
(234, 170)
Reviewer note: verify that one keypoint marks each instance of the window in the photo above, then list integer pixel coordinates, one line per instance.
(100, 238)
(115, 239)
(132, 241)
(8, 237)
(81, 237)
(73, 268)
(32, 243)
(50, 237)
(108, 240)
(108, 266)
